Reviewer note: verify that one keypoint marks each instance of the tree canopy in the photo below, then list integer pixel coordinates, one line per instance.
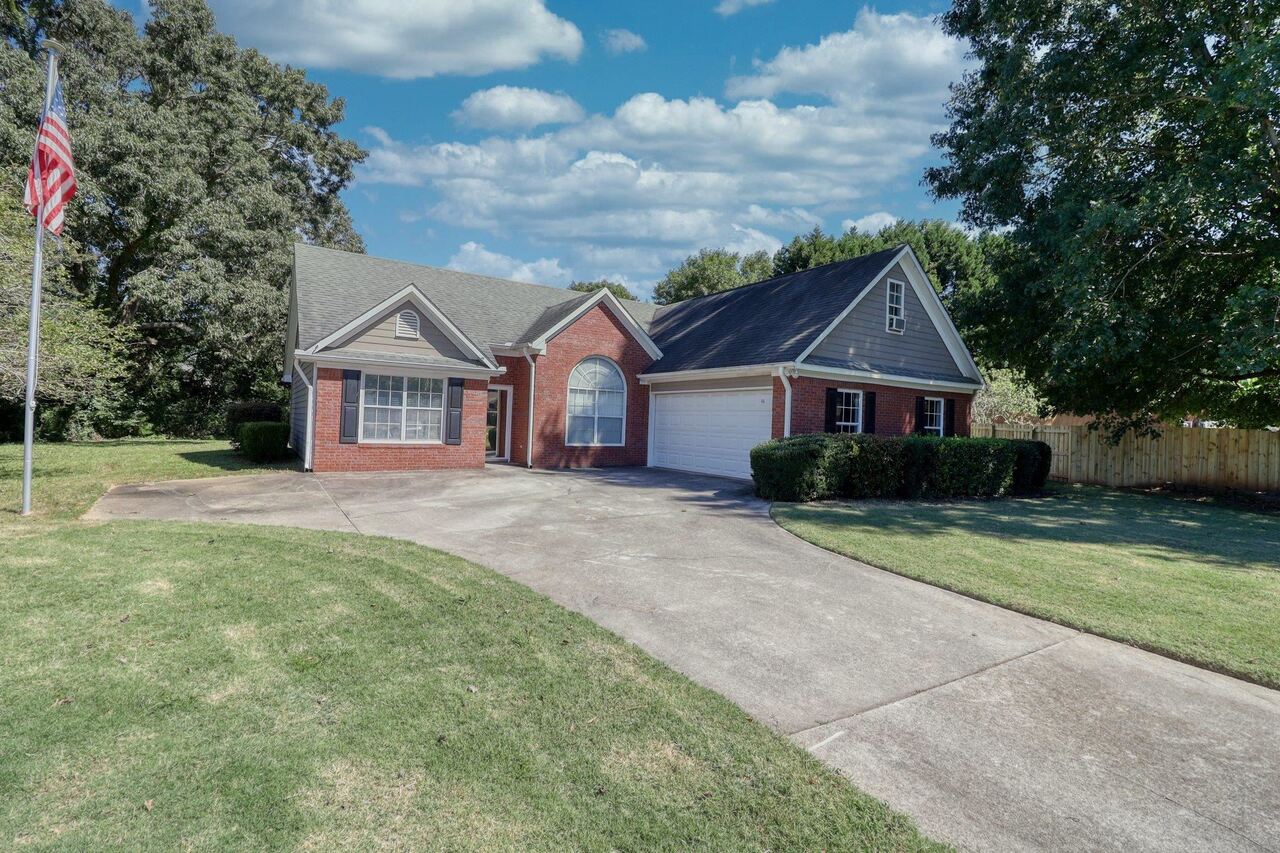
(618, 290)
(1131, 153)
(199, 164)
(710, 271)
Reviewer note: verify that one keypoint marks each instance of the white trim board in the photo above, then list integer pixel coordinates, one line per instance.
(356, 363)
(511, 397)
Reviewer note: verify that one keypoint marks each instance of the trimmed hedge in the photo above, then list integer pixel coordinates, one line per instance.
(814, 467)
(247, 411)
(264, 441)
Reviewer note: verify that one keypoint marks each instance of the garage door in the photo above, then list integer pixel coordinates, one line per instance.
(710, 432)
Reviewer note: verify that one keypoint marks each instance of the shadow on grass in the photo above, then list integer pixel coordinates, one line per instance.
(231, 460)
(1156, 527)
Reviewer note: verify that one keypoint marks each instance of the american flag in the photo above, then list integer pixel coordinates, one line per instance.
(57, 183)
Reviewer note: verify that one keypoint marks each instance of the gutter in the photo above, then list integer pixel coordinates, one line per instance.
(786, 409)
(533, 381)
(311, 405)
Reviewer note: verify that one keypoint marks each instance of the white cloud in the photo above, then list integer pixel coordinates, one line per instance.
(725, 8)
(638, 189)
(870, 223)
(404, 40)
(886, 64)
(622, 41)
(474, 257)
(517, 107)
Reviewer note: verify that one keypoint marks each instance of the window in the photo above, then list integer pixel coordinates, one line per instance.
(401, 408)
(407, 324)
(597, 404)
(933, 415)
(849, 411)
(896, 309)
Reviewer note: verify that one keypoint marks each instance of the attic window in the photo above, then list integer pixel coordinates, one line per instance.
(895, 308)
(407, 324)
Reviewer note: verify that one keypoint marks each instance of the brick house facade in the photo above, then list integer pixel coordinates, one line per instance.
(895, 406)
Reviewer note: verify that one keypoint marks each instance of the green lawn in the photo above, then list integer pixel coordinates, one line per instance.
(1197, 581)
(170, 685)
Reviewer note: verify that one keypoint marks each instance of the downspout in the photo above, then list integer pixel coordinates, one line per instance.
(786, 406)
(533, 377)
(311, 405)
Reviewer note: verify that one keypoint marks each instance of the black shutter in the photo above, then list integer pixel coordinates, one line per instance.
(349, 430)
(919, 414)
(869, 412)
(949, 423)
(453, 417)
(833, 397)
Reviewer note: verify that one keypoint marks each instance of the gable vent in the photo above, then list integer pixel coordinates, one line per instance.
(407, 324)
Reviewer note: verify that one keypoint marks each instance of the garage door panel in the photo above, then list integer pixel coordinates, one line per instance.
(710, 432)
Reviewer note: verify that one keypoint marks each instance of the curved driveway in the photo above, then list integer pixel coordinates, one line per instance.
(995, 730)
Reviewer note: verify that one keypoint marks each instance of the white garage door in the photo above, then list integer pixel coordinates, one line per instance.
(710, 432)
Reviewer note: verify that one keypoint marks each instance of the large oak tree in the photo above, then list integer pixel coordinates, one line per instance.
(1132, 152)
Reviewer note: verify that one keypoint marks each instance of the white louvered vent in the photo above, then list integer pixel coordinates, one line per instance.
(407, 324)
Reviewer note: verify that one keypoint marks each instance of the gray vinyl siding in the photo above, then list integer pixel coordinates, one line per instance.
(298, 412)
(764, 380)
(381, 337)
(861, 338)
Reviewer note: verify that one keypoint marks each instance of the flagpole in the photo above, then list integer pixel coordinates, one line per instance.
(37, 270)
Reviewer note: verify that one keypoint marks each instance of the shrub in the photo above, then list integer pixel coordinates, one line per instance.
(867, 466)
(250, 410)
(1031, 470)
(794, 469)
(264, 441)
(979, 467)
(919, 462)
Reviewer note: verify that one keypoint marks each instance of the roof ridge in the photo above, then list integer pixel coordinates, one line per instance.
(741, 287)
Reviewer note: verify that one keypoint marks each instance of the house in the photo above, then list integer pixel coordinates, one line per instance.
(396, 366)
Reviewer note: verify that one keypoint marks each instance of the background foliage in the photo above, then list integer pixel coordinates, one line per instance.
(199, 164)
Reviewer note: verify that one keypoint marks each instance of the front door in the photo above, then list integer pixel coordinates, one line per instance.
(495, 445)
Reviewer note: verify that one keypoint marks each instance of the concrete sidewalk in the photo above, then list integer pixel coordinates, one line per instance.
(995, 730)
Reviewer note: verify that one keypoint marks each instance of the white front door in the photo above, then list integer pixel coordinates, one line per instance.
(710, 432)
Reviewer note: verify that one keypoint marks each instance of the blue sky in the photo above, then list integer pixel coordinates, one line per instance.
(550, 140)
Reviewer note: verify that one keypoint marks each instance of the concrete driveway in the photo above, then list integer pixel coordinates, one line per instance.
(994, 730)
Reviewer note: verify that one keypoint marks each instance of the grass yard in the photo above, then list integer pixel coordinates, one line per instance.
(1197, 581)
(183, 685)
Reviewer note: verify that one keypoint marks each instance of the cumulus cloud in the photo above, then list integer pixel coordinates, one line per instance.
(885, 64)
(725, 8)
(506, 107)
(474, 257)
(870, 223)
(622, 41)
(423, 38)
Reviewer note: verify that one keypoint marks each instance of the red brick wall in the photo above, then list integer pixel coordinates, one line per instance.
(330, 455)
(895, 407)
(597, 332)
(517, 376)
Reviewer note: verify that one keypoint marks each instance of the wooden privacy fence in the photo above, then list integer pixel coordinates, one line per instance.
(1244, 459)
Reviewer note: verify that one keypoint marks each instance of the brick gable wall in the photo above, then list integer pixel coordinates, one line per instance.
(895, 407)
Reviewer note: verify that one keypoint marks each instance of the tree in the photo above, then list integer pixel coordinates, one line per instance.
(618, 290)
(711, 271)
(1132, 154)
(1006, 397)
(80, 354)
(199, 164)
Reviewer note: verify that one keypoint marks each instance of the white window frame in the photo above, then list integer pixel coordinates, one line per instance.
(942, 417)
(404, 407)
(857, 425)
(403, 329)
(900, 326)
(596, 417)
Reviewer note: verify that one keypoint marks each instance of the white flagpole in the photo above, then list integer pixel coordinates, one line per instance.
(37, 269)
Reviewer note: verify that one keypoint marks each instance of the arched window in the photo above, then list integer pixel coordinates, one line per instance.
(597, 404)
(407, 324)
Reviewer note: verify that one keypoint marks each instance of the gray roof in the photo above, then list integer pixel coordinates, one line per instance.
(767, 322)
(335, 287)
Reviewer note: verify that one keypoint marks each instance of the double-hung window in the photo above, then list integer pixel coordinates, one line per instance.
(597, 404)
(848, 411)
(933, 415)
(401, 408)
(896, 307)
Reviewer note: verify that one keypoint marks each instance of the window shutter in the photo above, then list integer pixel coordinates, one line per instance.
(919, 414)
(949, 418)
(349, 429)
(869, 412)
(832, 397)
(453, 414)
